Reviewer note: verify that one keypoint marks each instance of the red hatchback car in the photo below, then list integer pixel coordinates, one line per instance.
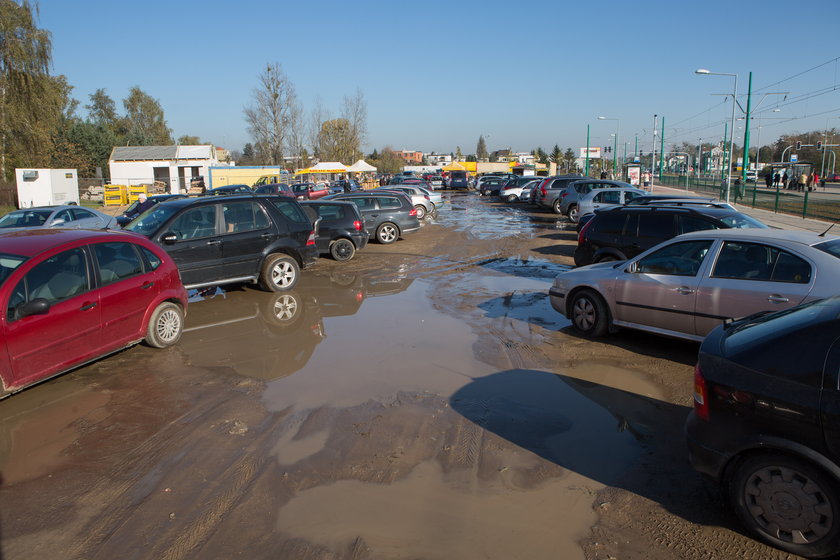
(73, 296)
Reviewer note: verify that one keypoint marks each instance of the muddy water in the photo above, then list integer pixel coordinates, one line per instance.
(403, 410)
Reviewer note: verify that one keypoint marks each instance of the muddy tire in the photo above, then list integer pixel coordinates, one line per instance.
(279, 273)
(572, 213)
(421, 211)
(342, 249)
(511, 198)
(787, 503)
(165, 325)
(387, 233)
(589, 314)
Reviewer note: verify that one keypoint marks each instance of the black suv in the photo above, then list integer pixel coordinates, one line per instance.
(341, 231)
(387, 215)
(617, 234)
(222, 240)
(766, 424)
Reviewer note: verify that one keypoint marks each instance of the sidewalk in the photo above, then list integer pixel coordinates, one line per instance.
(783, 221)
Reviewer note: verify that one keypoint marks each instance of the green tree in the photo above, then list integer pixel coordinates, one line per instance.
(481, 149)
(458, 155)
(556, 156)
(187, 140)
(145, 121)
(387, 161)
(570, 159)
(25, 57)
(102, 110)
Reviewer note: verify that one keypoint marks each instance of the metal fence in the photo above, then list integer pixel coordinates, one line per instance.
(822, 203)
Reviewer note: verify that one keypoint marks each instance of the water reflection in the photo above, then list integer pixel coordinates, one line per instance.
(484, 219)
(269, 336)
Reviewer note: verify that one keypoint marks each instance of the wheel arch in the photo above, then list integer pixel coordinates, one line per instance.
(765, 445)
(586, 288)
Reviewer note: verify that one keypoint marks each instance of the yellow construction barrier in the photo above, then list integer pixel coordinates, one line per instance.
(115, 195)
(136, 190)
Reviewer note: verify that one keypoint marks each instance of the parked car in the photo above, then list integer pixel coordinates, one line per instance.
(660, 200)
(341, 231)
(227, 190)
(489, 184)
(248, 238)
(309, 191)
(688, 285)
(552, 193)
(751, 176)
(617, 234)
(281, 189)
(64, 216)
(344, 185)
(73, 296)
(518, 189)
(458, 180)
(435, 182)
(131, 212)
(601, 199)
(387, 215)
(421, 200)
(765, 420)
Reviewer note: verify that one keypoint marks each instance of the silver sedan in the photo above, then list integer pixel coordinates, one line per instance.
(688, 285)
(65, 216)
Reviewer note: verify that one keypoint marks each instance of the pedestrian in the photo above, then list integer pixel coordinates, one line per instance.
(603, 174)
(768, 179)
(815, 180)
(785, 180)
(803, 182)
(646, 179)
(739, 190)
(776, 179)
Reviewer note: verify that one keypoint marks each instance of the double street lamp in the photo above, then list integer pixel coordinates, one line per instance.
(728, 164)
(615, 143)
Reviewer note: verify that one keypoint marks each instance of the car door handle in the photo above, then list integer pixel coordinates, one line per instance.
(147, 285)
(265, 235)
(684, 290)
(87, 306)
(775, 298)
(213, 242)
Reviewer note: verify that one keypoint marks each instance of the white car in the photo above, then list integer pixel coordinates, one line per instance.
(598, 199)
(65, 216)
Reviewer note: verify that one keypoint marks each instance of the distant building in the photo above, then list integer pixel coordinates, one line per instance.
(174, 166)
(410, 157)
(437, 159)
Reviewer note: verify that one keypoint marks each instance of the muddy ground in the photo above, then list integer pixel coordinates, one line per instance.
(420, 401)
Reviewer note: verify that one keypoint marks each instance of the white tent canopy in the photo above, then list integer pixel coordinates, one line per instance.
(360, 166)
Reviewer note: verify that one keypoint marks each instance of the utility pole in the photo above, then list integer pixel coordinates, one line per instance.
(662, 149)
(747, 139)
(653, 151)
(586, 173)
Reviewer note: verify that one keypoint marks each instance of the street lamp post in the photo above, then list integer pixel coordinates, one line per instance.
(615, 143)
(704, 72)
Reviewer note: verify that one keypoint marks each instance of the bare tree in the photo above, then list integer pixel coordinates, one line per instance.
(271, 115)
(317, 118)
(354, 111)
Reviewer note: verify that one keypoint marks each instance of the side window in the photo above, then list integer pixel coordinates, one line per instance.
(656, 225)
(195, 223)
(364, 203)
(630, 195)
(387, 203)
(244, 216)
(686, 224)
(58, 278)
(117, 261)
(81, 214)
(291, 210)
(789, 268)
(753, 261)
(63, 215)
(608, 197)
(610, 224)
(676, 259)
(153, 260)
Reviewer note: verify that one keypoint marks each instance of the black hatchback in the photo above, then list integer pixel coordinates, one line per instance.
(387, 215)
(341, 231)
(766, 424)
(223, 240)
(617, 234)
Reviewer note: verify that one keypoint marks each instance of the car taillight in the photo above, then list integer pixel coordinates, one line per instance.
(542, 187)
(427, 197)
(701, 394)
(582, 234)
(311, 240)
(412, 212)
(564, 195)
(358, 225)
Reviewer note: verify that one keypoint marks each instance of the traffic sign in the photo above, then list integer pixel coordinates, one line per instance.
(794, 158)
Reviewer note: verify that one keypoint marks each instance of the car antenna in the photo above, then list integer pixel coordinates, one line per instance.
(828, 228)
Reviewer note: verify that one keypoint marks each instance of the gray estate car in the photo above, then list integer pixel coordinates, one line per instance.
(692, 283)
(387, 215)
(563, 195)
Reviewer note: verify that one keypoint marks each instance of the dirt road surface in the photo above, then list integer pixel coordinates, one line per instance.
(420, 401)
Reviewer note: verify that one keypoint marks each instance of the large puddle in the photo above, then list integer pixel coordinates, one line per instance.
(483, 219)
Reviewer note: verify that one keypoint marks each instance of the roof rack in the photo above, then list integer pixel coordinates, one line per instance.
(710, 202)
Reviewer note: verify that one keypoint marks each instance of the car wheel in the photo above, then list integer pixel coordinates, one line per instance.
(421, 211)
(283, 310)
(788, 503)
(589, 314)
(572, 214)
(279, 273)
(165, 325)
(342, 249)
(511, 198)
(556, 207)
(387, 233)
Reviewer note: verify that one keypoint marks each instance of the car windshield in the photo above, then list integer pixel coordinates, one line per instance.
(831, 247)
(150, 221)
(25, 218)
(8, 263)
(741, 221)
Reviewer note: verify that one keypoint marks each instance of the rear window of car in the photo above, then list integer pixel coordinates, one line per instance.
(330, 211)
(291, 210)
(831, 247)
(611, 224)
(387, 202)
(740, 221)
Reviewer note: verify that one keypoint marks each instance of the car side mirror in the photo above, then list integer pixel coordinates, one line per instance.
(57, 222)
(38, 306)
(631, 268)
(169, 238)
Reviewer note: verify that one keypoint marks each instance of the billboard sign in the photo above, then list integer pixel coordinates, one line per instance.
(594, 152)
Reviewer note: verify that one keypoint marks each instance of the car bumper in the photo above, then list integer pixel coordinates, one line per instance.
(308, 256)
(583, 255)
(705, 460)
(558, 300)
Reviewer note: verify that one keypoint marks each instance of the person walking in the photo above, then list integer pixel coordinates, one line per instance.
(815, 180)
(776, 179)
(803, 182)
(768, 179)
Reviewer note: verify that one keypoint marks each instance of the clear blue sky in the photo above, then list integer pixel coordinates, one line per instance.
(437, 74)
